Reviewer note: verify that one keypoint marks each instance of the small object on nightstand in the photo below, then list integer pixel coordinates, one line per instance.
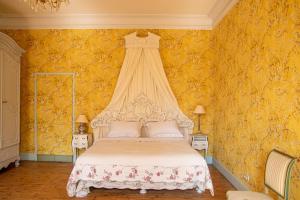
(82, 120)
(80, 141)
(200, 142)
(199, 110)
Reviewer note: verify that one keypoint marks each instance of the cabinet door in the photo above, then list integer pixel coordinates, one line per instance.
(10, 100)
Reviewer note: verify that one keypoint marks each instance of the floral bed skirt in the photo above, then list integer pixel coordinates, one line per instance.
(137, 177)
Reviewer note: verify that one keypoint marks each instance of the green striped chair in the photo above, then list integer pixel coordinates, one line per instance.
(277, 178)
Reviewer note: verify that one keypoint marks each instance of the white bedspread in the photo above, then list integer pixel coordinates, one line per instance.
(167, 153)
(139, 164)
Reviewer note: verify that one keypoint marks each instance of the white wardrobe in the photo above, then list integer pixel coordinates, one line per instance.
(10, 54)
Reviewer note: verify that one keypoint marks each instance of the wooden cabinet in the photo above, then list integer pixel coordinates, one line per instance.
(10, 54)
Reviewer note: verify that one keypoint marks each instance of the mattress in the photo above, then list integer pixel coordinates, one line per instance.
(168, 153)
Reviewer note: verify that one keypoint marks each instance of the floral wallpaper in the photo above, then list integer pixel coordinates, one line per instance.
(54, 114)
(96, 57)
(257, 87)
(246, 72)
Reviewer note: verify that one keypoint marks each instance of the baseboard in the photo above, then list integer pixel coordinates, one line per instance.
(27, 156)
(229, 176)
(49, 158)
(209, 160)
(55, 158)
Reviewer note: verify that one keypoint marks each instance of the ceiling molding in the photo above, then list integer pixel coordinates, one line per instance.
(220, 9)
(118, 21)
(88, 21)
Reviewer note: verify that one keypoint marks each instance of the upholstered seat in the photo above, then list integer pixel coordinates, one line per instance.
(246, 195)
(277, 177)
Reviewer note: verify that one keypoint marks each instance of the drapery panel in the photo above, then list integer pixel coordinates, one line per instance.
(142, 77)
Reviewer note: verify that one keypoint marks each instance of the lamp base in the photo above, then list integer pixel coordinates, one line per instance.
(82, 128)
(199, 124)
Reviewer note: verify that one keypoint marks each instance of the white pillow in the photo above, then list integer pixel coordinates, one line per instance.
(124, 129)
(164, 129)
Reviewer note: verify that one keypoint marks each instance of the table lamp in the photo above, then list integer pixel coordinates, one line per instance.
(82, 120)
(199, 110)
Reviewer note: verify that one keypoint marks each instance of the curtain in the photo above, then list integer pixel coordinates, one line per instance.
(142, 91)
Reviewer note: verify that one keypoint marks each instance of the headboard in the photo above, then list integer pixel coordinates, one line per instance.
(141, 109)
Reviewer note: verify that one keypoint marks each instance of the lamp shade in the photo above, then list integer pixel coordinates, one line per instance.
(199, 110)
(82, 119)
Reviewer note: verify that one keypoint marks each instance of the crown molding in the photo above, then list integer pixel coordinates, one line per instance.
(118, 21)
(105, 21)
(220, 9)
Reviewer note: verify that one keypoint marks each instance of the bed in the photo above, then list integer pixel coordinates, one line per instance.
(139, 163)
(146, 160)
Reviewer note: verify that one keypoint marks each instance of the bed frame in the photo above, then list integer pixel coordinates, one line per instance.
(142, 110)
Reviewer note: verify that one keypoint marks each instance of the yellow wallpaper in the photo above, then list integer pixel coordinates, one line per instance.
(257, 90)
(246, 72)
(54, 114)
(96, 56)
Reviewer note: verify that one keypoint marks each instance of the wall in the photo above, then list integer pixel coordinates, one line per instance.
(257, 90)
(97, 56)
(54, 114)
(251, 58)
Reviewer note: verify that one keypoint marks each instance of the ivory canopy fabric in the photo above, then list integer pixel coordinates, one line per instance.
(143, 92)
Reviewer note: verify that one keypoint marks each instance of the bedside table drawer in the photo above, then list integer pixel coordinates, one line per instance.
(80, 137)
(79, 144)
(200, 145)
(80, 141)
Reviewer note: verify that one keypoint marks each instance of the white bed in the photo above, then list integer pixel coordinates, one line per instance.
(142, 163)
(142, 95)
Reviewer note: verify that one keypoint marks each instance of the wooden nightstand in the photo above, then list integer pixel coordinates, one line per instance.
(200, 142)
(80, 141)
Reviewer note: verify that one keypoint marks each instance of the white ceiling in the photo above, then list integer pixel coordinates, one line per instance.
(179, 14)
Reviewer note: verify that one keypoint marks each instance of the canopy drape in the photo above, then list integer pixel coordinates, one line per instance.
(142, 92)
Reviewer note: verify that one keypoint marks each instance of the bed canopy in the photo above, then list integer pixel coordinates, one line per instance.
(142, 92)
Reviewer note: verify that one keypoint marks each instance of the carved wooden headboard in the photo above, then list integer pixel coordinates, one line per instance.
(142, 110)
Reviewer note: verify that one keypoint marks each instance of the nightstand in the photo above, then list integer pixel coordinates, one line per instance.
(200, 142)
(80, 141)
